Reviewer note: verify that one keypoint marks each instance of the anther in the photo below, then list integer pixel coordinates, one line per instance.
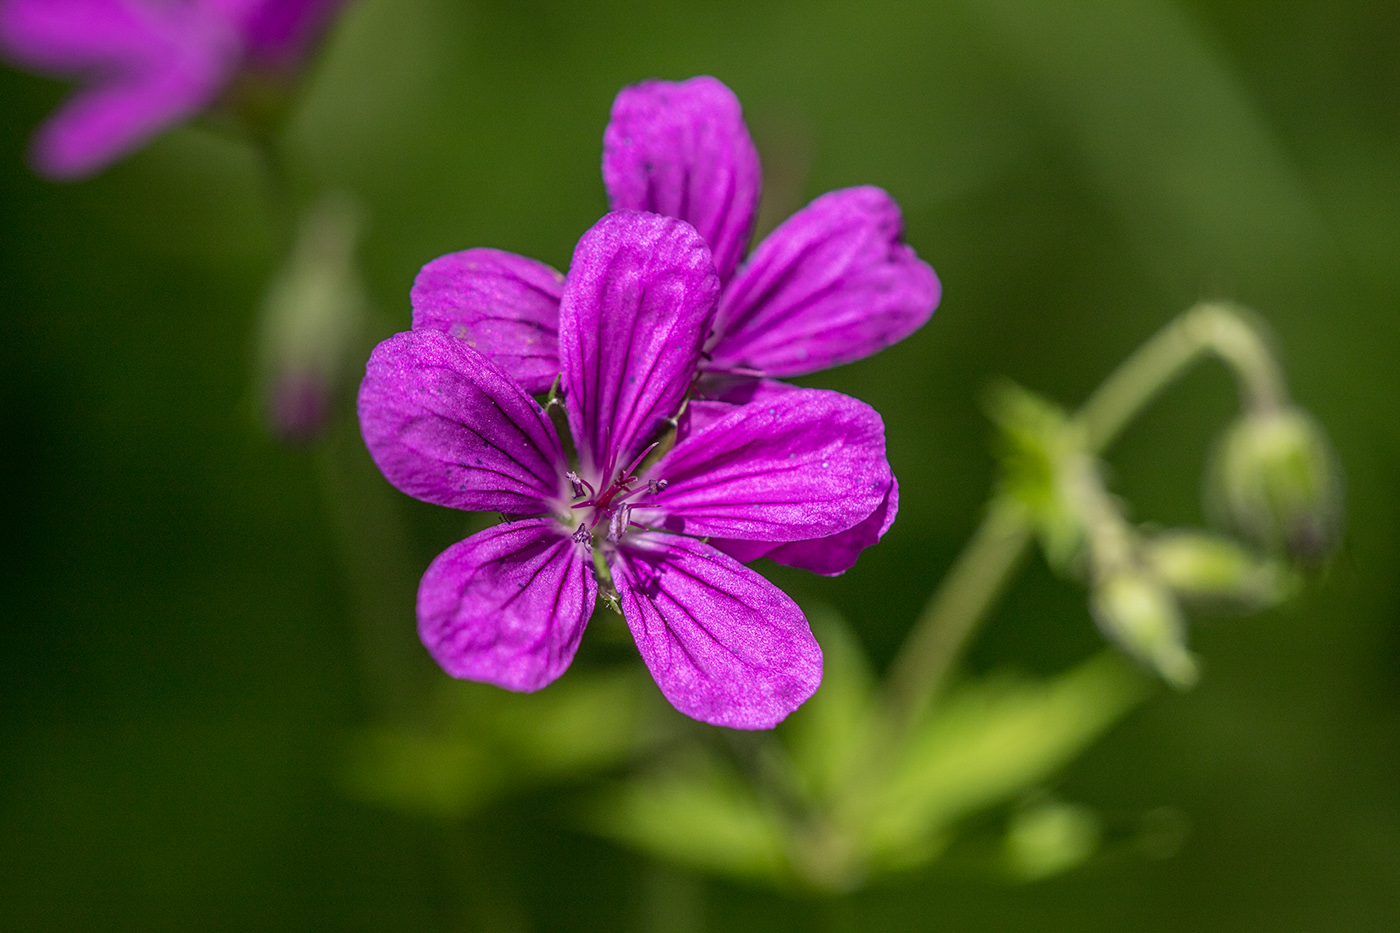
(618, 522)
(579, 484)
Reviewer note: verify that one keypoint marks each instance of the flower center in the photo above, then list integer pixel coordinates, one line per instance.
(612, 507)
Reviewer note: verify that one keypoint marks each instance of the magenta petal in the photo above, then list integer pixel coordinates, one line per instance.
(508, 606)
(834, 555)
(683, 150)
(744, 551)
(804, 464)
(725, 646)
(151, 66)
(834, 283)
(280, 32)
(718, 394)
(74, 36)
(637, 306)
(97, 126)
(504, 305)
(448, 426)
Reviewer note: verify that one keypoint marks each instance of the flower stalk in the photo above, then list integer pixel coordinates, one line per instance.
(978, 576)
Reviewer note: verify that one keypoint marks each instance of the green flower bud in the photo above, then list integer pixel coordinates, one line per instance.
(1138, 613)
(1275, 478)
(1213, 569)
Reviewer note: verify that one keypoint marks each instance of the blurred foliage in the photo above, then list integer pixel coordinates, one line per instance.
(486, 742)
(176, 649)
(835, 799)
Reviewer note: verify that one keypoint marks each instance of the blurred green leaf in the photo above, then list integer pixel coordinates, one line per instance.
(825, 737)
(698, 814)
(489, 741)
(990, 741)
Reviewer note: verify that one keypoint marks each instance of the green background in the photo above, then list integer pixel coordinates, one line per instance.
(176, 665)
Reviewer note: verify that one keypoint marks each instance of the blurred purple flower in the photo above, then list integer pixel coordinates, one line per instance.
(146, 65)
(833, 284)
(447, 424)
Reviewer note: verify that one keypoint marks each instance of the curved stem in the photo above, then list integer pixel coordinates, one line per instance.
(1215, 328)
(953, 614)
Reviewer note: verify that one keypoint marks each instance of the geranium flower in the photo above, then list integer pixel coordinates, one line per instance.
(448, 424)
(146, 64)
(833, 284)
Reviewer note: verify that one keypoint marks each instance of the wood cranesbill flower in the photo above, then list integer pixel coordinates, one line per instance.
(450, 424)
(833, 284)
(146, 65)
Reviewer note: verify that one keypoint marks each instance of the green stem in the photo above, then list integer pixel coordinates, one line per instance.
(1215, 328)
(953, 614)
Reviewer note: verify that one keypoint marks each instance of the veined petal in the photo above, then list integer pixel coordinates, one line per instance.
(506, 306)
(508, 606)
(718, 394)
(725, 646)
(448, 426)
(830, 556)
(804, 464)
(834, 283)
(637, 306)
(682, 149)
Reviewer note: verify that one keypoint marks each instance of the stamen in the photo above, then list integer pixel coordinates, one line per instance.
(618, 523)
(583, 535)
(656, 485)
(580, 484)
(627, 476)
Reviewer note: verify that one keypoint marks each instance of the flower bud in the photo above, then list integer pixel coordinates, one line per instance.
(1050, 837)
(1275, 478)
(1213, 569)
(1138, 613)
(311, 321)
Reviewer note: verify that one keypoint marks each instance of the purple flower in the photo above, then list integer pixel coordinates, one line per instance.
(833, 284)
(146, 64)
(446, 423)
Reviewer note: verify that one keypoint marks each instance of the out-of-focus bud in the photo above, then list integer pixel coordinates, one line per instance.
(1139, 614)
(1275, 477)
(1050, 837)
(1216, 570)
(311, 322)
